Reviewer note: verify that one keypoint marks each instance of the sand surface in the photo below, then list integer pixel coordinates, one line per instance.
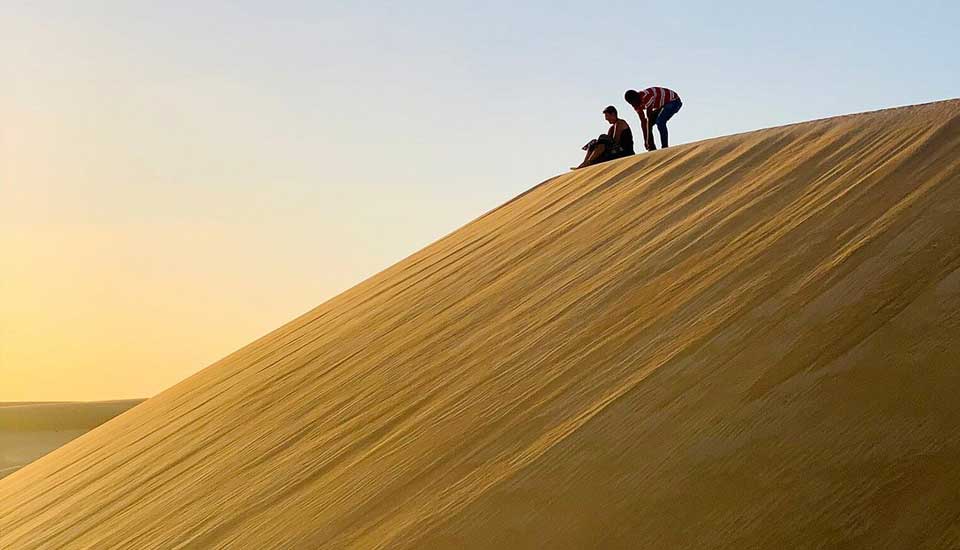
(31, 430)
(748, 342)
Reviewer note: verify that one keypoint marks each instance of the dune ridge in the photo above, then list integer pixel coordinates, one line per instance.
(745, 342)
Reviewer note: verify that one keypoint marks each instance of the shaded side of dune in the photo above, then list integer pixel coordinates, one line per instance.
(744, 342)
(31, 430)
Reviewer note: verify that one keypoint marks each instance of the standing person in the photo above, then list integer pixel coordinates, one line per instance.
(616, 143)
(664, 101)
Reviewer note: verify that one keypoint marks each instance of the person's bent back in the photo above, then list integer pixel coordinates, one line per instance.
(664, 102)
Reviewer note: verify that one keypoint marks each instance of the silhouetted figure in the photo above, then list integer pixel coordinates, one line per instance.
(616, 143)
(659, 105)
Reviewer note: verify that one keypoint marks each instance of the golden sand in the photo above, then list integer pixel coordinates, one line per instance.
(747, 342)
(31, 430)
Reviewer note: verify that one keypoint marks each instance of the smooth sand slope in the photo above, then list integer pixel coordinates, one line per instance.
(748, 342)
(31, 430)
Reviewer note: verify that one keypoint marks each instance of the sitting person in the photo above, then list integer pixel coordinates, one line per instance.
(616, 143)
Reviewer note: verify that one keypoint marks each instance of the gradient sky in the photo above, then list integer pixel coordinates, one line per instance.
(178, 178)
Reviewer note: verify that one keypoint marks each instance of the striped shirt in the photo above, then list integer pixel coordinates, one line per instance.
(656, 97)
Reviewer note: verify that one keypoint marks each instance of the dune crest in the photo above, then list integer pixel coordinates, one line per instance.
(743, 342)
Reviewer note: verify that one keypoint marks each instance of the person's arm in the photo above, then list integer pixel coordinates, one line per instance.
(644, 125)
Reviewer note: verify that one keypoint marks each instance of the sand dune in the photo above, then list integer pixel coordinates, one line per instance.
(748, 342)
(31, 430)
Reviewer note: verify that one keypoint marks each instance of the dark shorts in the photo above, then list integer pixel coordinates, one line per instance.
(602, 138)
(610, 151)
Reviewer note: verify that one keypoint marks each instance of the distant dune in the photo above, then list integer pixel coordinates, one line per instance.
(747, 342)
(31, 430)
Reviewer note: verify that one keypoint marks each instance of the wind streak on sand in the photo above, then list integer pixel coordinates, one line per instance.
(743, 342)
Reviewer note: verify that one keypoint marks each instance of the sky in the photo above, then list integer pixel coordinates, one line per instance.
(180, 178)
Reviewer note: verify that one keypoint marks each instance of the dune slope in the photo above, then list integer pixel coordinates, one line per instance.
(31, 430)
(744, 342)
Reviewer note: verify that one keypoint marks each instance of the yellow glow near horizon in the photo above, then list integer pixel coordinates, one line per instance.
(144, 236)
(88, 315)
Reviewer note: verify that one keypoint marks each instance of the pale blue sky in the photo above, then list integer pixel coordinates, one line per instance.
(252, 159)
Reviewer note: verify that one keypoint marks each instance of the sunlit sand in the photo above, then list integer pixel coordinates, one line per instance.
(747, 342)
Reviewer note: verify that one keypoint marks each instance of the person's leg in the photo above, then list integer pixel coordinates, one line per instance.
(666, 113)
(600, 154)
(587, 156)
(595, 150)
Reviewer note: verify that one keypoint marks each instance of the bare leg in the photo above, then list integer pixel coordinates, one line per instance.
(592, 155)
(586, 157)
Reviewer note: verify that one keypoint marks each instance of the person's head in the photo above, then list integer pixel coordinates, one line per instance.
(632, 97)
(610, 113)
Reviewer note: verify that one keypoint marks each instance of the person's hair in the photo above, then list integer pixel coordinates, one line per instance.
(610, 110)
(631, 96)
